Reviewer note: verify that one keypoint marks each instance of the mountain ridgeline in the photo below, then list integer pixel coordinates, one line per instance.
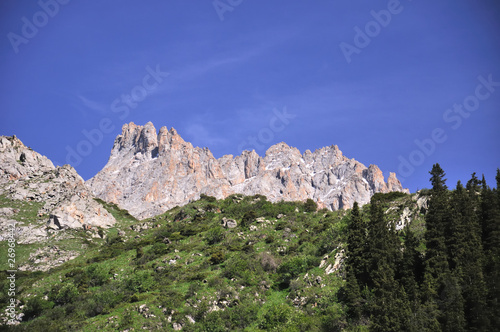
(150, 172)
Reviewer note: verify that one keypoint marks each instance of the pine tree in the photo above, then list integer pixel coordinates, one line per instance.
(436, 257)
(411, 267)
(354, 301)
(390, 310)
(466, 255)
(356, 243)
(410, 273)
(442, 301)
(355, 263)
(490, 219)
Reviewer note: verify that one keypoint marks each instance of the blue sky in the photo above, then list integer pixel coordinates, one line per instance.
(249, 74)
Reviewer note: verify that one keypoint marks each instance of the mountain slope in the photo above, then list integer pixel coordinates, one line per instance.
(40, 198)
(209, 265)
(149, 173)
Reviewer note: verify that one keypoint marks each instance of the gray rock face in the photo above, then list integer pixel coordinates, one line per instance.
(149, 173)
(30, 177)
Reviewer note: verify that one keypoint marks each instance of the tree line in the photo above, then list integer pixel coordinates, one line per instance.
(447, 280)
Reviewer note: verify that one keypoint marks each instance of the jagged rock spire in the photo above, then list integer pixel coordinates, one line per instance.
(149, 173)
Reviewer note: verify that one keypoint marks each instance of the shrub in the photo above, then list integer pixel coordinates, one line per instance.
(293, 267)
(208, 198)
(217, 258)
(159, 249)
(181, 215)
(113, 238)
(97, 275)
(63, 293)
(214, 235)
(35, 306)
(310, 205)
(248, 218)
(277, 315)
(387, 197)
(268, 262)
(308, 249)
(171, 299)
(140, 282)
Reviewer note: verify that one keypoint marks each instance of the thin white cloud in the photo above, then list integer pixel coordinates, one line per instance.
(99, 107)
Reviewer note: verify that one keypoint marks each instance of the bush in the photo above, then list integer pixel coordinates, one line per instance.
(310, 205)
(242, 267)
(171, 299)
(295, 266)
(159, 249)
(387, 197)
(248, 218)
(214, 235)
(217, 258)
(208, 198)
(63, 293)
(269, 239)
(35, 306)
(277, 315)
(97, 275)
(113, 239)
(268, 262)
(308, 249)
(140, 282)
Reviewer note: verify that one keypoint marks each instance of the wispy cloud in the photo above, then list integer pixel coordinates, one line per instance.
(99, 107)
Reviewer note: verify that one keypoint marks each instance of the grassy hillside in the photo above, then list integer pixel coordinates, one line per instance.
(279, 268)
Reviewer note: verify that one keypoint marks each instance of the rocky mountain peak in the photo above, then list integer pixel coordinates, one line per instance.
(149, 173)
(19, 161)
(65, 200)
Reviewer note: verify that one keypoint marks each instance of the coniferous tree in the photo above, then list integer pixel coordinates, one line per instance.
(390, 308)
(473, 185)
(442, 299)
(436, 262)
(353, 298)
(490, 219)
(356, 243)
(410, 275)
(466, 255)
(355, 263)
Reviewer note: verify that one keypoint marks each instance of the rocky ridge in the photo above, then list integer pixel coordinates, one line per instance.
(150, 172)
(58, 194)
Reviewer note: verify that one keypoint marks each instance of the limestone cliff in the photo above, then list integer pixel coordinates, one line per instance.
(65, 201)
(149, 173)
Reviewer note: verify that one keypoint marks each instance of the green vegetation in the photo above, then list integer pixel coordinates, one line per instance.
(451, 285)
(284, 267)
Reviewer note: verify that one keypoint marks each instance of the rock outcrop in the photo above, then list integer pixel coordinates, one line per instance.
(149, 173)
(65, 201)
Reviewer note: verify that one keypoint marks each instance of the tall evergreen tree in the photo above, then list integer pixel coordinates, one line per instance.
(473, 185)
(353, 298)
(390, 310)
(442, 298)
(410, 270)
(355, 263)
(490, 219)
(466, 255)
(356, 244)
(436, 256)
